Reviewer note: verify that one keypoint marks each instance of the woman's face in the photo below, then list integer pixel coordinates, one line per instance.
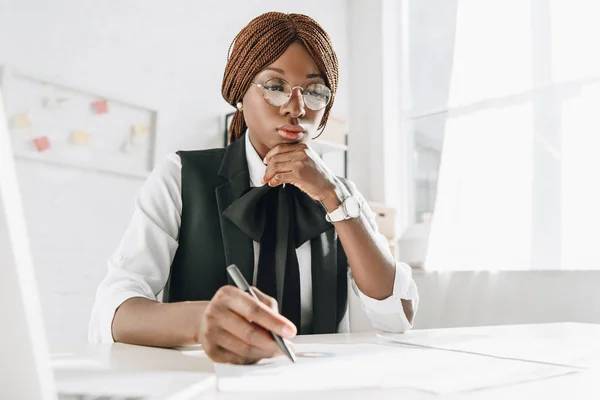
(267, 124)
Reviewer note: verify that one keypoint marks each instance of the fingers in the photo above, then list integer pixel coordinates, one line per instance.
(284, 148)
(286, 162)
(286, 157)
(235, 326)
(225, 332)
(294, 167)
(247, 352)
(248, 332)
(280, 164)
(265, 298)
(244, 305)
(281, 178)
(275, 168)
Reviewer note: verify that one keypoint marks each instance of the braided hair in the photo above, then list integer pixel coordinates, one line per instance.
(263, 41)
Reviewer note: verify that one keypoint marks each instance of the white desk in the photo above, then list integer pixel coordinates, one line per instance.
(575, 336)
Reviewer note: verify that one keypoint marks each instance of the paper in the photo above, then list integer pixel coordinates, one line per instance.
(140, 129)
(80, 138)
(126, 146)
(41, 143)
(362, 366)
(53, 103)
(147, 385)
(573, 345)
(22, 121)
(136, 139)
(139, 134)
(100, 106)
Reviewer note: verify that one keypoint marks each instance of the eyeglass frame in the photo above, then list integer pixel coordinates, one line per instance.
(293, 87)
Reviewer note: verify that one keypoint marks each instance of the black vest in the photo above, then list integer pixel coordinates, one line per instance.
(208, 242)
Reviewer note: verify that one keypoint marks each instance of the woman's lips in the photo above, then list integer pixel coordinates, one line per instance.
(290, 135)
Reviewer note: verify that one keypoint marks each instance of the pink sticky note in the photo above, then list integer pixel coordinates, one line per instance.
(41, 143)
(100, 106)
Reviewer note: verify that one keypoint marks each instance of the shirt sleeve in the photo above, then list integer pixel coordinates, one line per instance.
(140, 265)
(387, 314)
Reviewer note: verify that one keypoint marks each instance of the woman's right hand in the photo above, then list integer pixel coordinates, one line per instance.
(235, 327)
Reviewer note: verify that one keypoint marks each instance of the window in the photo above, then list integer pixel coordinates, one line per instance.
(504, 98)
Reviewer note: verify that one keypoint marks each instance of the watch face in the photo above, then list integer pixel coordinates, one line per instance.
(352, 207)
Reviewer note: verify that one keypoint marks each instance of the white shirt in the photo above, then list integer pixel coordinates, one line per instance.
(140, 266)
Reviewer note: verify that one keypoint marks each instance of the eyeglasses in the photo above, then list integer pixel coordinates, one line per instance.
(278, 92)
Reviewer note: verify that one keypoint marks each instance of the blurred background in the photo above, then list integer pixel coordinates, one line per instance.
(470, 126)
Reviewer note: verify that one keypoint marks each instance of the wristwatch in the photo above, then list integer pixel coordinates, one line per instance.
(350, 208)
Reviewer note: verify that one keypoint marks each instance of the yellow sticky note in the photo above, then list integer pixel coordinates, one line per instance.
(139, 133)
(22, 121)
(140, 129)
(80, 138)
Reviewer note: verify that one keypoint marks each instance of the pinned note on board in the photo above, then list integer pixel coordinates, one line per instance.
(100, 106)
(22, 121)
(140, 129)
(53, 103)
(41, 143)
(139, 134)
(126, 146)
(80, 138)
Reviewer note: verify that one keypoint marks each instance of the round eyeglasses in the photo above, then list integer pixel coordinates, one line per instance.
(278, 92)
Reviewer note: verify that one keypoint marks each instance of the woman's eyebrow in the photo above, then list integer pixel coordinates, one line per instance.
(282, 72)
(308, 76)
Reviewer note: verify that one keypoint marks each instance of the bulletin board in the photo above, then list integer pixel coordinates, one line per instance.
(64, 125)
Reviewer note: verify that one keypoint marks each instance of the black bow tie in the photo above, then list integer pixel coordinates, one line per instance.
(281, 219)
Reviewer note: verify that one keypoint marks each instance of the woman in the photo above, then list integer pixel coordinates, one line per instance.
(266, 203)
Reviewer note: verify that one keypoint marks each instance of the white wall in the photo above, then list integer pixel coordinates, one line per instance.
(366, 112)
(170, 55)
(468, 298)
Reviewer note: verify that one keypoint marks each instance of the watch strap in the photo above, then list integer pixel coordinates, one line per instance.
(339, 214)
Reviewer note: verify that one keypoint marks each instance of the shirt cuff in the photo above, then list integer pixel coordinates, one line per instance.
(388, 314)
(100, 329)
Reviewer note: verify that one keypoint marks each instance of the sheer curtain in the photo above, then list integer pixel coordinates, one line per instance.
(518, 183)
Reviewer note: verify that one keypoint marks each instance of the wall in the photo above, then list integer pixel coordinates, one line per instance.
(169, 55)
(468, 298)
(366, 116)
(478, 298)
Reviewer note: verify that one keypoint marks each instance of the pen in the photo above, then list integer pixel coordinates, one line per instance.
(241, 283)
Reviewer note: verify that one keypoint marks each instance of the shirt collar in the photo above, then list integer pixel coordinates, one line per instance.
(256, 168)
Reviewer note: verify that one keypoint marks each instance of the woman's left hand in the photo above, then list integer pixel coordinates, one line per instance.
(298, 165)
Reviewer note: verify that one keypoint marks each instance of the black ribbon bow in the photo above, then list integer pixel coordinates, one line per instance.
(281, 219)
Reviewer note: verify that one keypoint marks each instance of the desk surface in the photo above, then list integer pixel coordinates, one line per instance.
(570, 336)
